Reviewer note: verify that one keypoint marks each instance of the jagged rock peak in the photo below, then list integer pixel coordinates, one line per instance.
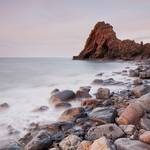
(103, 43)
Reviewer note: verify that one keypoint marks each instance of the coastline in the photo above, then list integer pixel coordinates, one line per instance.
(74, 75)
(97, 113)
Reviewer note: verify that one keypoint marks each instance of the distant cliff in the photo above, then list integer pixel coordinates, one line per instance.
(103, 43)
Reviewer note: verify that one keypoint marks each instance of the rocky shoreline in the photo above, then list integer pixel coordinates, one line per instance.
(104, 121)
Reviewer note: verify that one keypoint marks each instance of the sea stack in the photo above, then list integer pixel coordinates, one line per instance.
(103, 43)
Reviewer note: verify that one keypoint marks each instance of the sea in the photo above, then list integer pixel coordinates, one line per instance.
(26, 84)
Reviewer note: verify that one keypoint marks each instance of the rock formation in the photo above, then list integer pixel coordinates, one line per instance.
(103, 43)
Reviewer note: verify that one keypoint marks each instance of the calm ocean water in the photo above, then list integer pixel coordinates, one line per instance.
(26, 83)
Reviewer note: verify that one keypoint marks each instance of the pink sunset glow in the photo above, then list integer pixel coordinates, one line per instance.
(53, 28)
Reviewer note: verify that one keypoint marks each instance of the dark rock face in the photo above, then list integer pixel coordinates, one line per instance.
(62, 105)
(103, 114)
(109, 81)
(60, 126)
(41, 141)
(103, 43)
(41, 109)
(43, 135)
(65, 95)
(83, 92)
(60, 98)
(4, 106)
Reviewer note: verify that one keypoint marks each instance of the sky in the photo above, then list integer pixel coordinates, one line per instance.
(59, 28)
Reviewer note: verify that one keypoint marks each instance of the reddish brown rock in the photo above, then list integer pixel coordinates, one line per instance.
(102, 144)
(89, 102)
(135, 111)
(131, 115)
(145, 137)
(84, 145)
(103, 43)
(72, 113)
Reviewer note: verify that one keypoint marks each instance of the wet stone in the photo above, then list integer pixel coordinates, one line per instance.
(41, 141)
(85, 88)
(102, 144)
(84, 145)
(54, 91)
(41, 109)
(89, 102)
(103, 114)
(145, 74)
(145, 137)
(62, 105)
(128, 129)
(138, 91)
(111, 81)
(83, 93)
(145, 122)
(4, 106)
(137, 82)
(70, 142)
(103, 93)
(131, 115)
(127, 144)
(97, 81)
(111, 131)
(100, 74)
(55, 130)
(62, 96)
(72, 114)
(144, 101)
(133, 73)
(58, 126)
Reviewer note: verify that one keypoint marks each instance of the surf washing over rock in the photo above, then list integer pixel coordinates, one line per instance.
(102, 119)
(105, 120)
(103, 43)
